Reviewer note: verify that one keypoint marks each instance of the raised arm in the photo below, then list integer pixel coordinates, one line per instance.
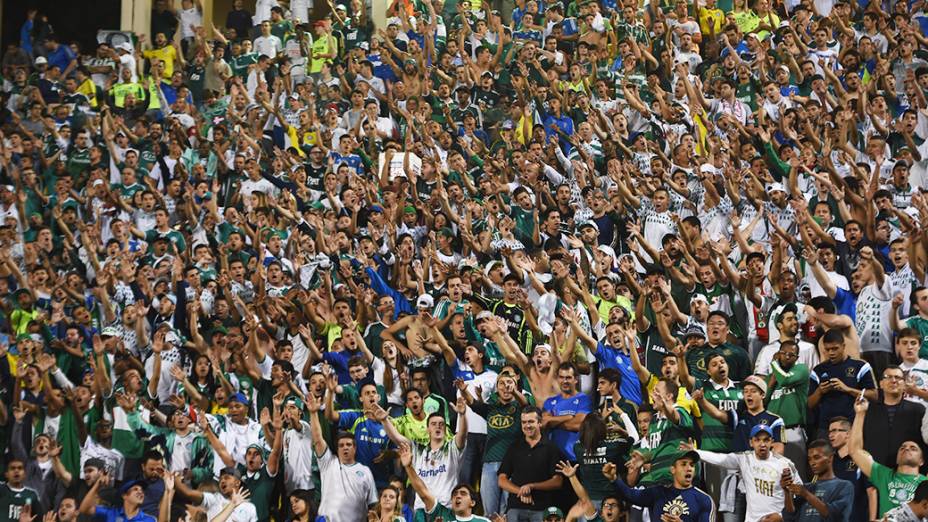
(405, 451)
(855, 443)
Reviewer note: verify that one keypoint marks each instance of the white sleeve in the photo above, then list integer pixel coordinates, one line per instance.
(62, 379)
(629, 426)
(723, 460)
(762, 366)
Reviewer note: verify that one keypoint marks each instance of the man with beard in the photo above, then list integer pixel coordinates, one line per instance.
(894, 486)
(827, 497)
(787, 324)
(451, 304)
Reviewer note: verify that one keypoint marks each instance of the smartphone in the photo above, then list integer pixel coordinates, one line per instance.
(609, 403)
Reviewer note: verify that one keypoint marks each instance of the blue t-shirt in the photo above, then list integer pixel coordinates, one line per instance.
(837, 494)
(845, 304)
(62, 57)
(609, 357)
(852, 372)
(339, 361)
(352, 160)
(370, 437)
(573, 405)
(113, 514)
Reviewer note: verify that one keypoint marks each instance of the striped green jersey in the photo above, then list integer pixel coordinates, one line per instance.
(716, 436)
(664, 438)
(789, 393)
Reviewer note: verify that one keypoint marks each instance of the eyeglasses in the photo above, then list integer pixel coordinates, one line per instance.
(894, 377)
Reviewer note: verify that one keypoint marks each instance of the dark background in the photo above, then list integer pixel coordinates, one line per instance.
(71, 19)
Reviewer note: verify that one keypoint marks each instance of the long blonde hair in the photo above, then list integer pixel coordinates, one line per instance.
(397, 509)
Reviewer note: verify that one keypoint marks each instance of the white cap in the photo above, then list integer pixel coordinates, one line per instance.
(125, 46)
(425, 301)
(41, 60)
(775, 186)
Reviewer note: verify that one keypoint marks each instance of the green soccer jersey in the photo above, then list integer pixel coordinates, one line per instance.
(78, 160)
(440, 512)
(261, 486)
(12, 501)
(504, 425)
(739, 365)
(591, 464)
(664, 438)
(894, 489)
(920, 324)
(789, 394)
(716, 436)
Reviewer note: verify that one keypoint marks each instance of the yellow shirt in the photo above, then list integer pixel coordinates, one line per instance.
(166, 54)
(121, 90)
(711, 21)
(89, 89)
(324, 45)
(297, 140)
(683, 397)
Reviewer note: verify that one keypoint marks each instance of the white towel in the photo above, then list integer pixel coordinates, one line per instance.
(728, 492)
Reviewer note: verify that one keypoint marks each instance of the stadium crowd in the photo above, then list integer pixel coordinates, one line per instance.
(508, 260)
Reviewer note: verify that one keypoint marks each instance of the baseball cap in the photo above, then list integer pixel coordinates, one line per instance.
(554, 511)
(694, 330)
(758, 381)
(773, 187)
(699, 297)
(240, 397)
(425, 301)
(230, 470)
(761, 428)
(129, 485)
(296, 401)
(589, 224)
(110, 331)
(41, 60)
(691, 454)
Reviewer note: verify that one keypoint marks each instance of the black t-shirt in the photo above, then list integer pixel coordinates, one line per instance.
(524, 464)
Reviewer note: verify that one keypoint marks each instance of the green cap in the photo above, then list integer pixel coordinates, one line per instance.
(296, 401)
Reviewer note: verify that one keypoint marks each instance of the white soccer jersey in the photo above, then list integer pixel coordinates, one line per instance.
(761, 479)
